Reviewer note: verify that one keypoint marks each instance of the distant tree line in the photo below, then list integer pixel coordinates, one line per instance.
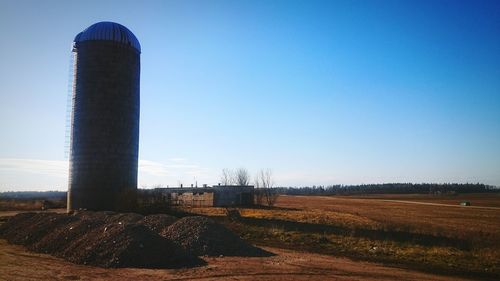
(45, 195)
(389, 188)
(264, 184)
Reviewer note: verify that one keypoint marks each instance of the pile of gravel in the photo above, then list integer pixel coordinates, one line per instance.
(29, 228)
(158, 223)
(110, 239)
(202, 236)
(97, 238)
(129, 245)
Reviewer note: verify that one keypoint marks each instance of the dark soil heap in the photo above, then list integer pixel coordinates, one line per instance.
(109, 239)
(96, 238)
(202, 236)
(158, 223)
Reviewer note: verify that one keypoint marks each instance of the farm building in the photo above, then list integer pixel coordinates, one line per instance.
(216, 196)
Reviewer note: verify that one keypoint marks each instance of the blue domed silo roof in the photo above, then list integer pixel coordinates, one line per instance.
(109, 31)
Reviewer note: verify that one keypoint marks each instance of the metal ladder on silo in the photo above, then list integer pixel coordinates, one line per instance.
(70, 103)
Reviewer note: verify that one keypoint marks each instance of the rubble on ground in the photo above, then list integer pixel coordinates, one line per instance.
(109, 239)
(202, 236)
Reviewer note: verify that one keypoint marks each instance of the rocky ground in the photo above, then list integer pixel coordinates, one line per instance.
(108, 239)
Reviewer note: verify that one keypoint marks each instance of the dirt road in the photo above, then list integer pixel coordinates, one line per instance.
(437, 204)
(18, 264)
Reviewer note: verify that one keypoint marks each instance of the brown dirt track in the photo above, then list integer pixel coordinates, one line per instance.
(18, 264)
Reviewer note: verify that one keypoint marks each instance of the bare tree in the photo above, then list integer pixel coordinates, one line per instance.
(258, 192)
(267, 184)
(226, 177)
(242, 177)
(266, 178)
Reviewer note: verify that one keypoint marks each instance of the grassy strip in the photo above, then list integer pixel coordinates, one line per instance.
(482, 263)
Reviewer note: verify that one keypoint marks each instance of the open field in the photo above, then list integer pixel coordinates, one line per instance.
(476, 199)
(30, 204)
(378, 212)
(381, 213)
(435, 238)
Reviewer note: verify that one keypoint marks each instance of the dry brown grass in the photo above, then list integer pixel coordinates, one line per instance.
(17, 204)
(459, 222)
(451, 239)
(20, 205)
(477, 199)
(354, 212)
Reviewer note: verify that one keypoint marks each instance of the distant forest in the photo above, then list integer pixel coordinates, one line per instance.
(45, 195)
(385, 188)
(389, 188)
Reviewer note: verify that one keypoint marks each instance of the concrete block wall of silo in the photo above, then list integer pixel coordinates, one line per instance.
(105, 127)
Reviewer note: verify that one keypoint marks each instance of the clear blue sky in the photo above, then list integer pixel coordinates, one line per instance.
(333, 92)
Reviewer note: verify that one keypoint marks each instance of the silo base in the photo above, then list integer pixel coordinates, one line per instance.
(99, 200)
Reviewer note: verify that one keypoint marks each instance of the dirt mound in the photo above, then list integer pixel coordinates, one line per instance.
(93, 215)
(67, 235)
(202, 236)
(27, 229)
(124, 218)
(110, 217)
(96, 238)
(158, 223)
(128, 245)
(111, 239)
(14, 225)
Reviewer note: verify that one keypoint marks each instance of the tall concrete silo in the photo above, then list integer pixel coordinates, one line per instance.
(105, 119)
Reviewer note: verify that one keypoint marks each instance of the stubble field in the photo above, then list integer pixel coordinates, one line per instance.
(441, 237)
